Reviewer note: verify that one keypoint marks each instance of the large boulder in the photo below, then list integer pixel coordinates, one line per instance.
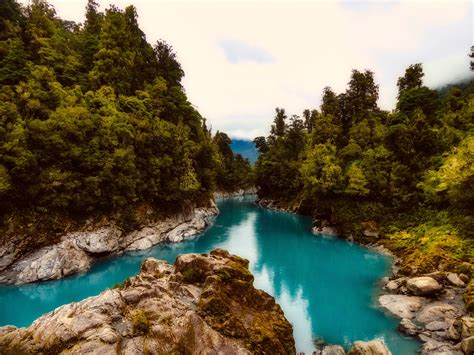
(205, 303)
(423, 285)
(373, 347)
(52, 262)
(333, 350)
(455, 280)
(102, 240)
(401, 305)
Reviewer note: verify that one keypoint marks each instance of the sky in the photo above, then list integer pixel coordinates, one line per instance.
(243, 59)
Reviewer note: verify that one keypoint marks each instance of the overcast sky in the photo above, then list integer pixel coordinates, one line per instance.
(244, 58)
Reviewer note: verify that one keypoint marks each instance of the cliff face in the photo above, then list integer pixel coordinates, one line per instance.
(205, 303)
(75, 251)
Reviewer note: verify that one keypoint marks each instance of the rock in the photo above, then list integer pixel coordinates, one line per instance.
(467, 327)
(329, 230)
(237, 193)
(433, 347)
(437, 325)
(324, 226)
(402, 306)
(205, 303)
(455, 280)
(102, 240)
(438, 311)
(370, 229)
(408, 327)
(48, 263)
(467, 345)
(333, 350)
(373, 347)
(76, 251)
(452, 333)
(423, 285)
(393, 285)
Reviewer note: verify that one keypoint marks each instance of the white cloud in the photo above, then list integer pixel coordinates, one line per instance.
(311, 44)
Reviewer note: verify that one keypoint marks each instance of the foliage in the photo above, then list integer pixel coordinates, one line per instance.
(359, 163)
(94, 118)
(140, 322)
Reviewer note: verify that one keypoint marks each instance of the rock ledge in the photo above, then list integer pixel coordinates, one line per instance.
(205, 303)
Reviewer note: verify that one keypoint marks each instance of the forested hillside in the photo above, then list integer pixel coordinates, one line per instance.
(94, 118)
(410, 170)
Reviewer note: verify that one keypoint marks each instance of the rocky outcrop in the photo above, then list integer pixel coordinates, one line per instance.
(438, 318)
(374, 347)
(323, 226)
(401, 305)
(455, 280)
(76, 251)
(423, 285)
(205, 303)
(240, 192)
(277, 206)
(333, 350)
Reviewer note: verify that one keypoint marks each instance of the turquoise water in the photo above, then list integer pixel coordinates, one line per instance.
(326, 287)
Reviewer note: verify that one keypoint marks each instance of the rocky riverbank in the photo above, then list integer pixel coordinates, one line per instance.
(240, 192)
(274, 205)
(75, 251)
(204, 303)
(431, 307)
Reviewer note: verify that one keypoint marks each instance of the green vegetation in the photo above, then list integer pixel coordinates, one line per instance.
(410, 170)
(140, 322)
(94, 119)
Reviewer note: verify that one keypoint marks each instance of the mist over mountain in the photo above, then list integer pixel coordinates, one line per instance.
(246, 148)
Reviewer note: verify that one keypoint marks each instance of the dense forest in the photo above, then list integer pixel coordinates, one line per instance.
(410, 170)
(94, 118)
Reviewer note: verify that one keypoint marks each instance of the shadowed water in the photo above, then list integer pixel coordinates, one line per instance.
(326, 287)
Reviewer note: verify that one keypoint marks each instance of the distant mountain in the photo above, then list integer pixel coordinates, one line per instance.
(246, 148)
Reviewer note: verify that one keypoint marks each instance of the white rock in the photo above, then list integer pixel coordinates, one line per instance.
(455, 280)
(326, 230)
(423, 285)
(103, 240)
(50, 263)
(373, 347)
(438, 311)
(75, 252)
(401, 305)
(333, 350)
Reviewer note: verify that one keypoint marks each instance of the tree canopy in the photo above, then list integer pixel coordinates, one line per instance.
(94, 118)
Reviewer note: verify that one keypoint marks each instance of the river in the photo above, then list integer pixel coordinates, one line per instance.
(327, 287)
